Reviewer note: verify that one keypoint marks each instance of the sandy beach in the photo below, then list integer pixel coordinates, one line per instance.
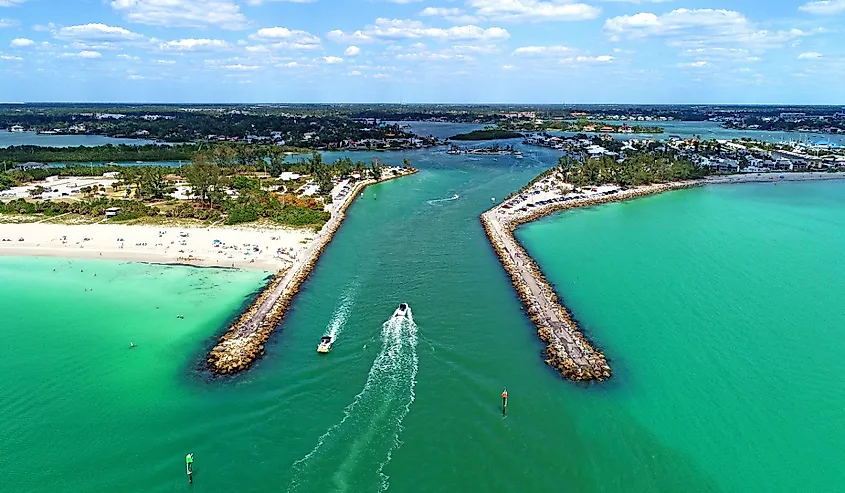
(270, 249)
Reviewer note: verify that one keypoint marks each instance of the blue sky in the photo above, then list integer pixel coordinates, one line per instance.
(522, 51)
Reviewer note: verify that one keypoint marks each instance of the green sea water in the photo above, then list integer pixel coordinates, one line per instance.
(717, 307)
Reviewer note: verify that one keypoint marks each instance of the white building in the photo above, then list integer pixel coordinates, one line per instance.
(288, 176)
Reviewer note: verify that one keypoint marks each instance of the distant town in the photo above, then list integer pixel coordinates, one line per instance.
(383, 127)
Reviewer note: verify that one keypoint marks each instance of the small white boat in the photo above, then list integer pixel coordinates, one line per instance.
(402, 311)
(325, 344)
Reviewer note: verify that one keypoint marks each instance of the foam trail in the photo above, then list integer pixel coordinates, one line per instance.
(340, 315)
(449, 199)
(352, 454)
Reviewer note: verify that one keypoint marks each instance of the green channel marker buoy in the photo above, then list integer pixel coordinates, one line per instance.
(189, 466)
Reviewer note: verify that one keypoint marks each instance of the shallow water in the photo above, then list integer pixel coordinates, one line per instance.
(713, 390)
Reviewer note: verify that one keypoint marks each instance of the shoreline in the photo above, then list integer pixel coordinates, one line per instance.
(254, 247)
(243, 342)
(567, 349)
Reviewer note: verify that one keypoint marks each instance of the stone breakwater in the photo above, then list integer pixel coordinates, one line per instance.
(567, 350)
(243, 343)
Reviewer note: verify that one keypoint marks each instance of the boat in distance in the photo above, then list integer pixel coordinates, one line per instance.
(325, 344)
(402, 311)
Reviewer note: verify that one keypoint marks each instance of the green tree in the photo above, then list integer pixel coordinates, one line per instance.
(375, 169)
(153, 182)
(205, 180)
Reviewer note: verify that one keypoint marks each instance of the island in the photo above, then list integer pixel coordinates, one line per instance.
(488, 134)
(494, 150)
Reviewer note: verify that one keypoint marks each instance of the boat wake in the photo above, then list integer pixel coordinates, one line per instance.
(338, 321)
(352, 454)
(449, 199)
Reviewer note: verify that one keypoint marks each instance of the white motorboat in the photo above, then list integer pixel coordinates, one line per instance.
(325, 344)
(402, 311)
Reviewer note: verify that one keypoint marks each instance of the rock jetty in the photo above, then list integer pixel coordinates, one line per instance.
(567, 350)
(243, 343)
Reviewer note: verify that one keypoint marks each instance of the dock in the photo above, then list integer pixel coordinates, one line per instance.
(243, 343)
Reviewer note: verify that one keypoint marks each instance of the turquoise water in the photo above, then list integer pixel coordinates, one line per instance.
(720, 309)
(703, 300)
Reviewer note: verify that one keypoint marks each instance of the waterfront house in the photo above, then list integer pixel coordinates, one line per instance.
(754, 169)
(16, 128)
(30, 165)
(782, 164)
(112, 212)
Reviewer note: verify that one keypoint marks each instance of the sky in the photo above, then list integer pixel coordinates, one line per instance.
(424, 51)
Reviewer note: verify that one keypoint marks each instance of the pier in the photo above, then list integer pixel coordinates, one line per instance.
(243, 343)
(567, 350)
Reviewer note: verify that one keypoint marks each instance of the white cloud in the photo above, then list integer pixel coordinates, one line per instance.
(507, 67)
(824, 7)
(97, 33)
(83, 54)
(431, 56)
(588, 59)
(242, 67)
(224, 14)
(396, 29)
(701, 27)
(332, 60)
(21, 42)
(339, 36)
(352, 51)
(695, 64)
(450, 14)
(810, 55)
(720, 54)
(11, 58)
(282, 37)
(11, 3)
(8, 23)
(124, 56)
(533, 10)
(164, 62)
(354, 73)
(191, 44)
(542, 50)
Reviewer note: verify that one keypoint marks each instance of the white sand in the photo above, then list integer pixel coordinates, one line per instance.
(159, 244)
(554, 188)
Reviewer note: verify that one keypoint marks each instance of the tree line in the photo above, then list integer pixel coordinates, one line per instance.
(637, 168)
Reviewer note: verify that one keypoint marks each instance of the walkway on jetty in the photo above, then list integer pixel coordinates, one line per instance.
(244, 342)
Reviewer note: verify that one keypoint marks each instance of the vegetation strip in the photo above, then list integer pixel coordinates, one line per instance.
(243, 343)
(567, 349)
